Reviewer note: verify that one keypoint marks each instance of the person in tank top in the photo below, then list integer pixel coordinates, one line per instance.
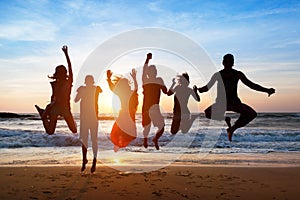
(60, 98)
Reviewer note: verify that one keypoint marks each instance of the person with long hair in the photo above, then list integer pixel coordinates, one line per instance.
(124, 128)
(182, 118)
(60, 99)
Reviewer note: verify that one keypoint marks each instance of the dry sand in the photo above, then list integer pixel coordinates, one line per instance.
(173, 182)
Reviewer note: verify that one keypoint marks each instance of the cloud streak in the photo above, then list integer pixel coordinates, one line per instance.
(25, 30)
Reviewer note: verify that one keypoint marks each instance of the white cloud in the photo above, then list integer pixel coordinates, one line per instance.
(286, 43)
(26, 30)
(74, 4)
(265, 12)
(154, 6)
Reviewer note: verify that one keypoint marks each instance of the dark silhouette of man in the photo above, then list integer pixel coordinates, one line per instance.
(230, 77)
(88, 97)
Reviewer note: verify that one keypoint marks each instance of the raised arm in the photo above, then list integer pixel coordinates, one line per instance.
(145, 68)
(255, 86)
(171, 90)
(133, 75)
(209, 84)
(110, 83)
(65, 50)
(195, 93)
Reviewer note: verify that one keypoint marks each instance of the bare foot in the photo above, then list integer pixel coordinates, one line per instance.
(84, 162)
(229, 133)
(155, 140)
(227, 120)
(40, 110)
(116, 148)
(146, 143)
(93, 169)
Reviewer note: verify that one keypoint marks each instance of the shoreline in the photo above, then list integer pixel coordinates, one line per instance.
(19, 158)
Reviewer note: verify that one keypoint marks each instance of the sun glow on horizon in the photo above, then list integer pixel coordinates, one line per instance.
(117, 161)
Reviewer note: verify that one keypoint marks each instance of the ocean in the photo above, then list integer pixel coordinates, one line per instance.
(24, 142)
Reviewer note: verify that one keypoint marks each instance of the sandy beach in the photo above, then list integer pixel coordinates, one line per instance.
(172, 182)
(263, 162)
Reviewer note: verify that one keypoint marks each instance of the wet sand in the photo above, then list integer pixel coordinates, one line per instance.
(172, 182)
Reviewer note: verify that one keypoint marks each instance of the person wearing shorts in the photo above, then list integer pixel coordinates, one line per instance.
(152, 87)
(227, 80)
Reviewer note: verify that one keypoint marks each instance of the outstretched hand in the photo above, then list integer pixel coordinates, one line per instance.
(149, 56)
(65, 49)
(271, 91)
(108, 74)
(133, 73)
(174, 80)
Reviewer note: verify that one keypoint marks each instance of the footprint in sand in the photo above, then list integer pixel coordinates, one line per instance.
(47, 192)
(185, 174)
(157, 193)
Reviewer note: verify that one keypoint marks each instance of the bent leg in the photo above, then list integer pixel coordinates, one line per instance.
(158, 121)
(71, 123)
(157, 136)
(51, 124)
(146, 122)
(146, 133)
(45, 119)
(187, 120)
(47, 111)
(215, 112)
(207, 112)
(175, 122)
(247, 114)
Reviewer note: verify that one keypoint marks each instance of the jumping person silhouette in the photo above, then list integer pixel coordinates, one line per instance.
(152, 86)
(182, 118)
(230, 77)
(60, 99)
(88, 96)
(124, 129)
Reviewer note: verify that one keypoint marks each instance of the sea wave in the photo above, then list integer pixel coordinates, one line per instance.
(268, 132)
(244, 140)
(18, 139)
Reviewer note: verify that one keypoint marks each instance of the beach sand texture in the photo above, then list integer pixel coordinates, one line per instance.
(172, 182)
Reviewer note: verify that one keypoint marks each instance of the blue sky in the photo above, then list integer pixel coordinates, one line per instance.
(264, 36)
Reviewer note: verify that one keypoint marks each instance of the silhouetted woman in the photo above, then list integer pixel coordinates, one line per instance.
(182, 118)
(60, 99)
(124, 129)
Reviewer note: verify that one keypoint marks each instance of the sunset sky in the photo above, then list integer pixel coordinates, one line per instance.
(264, 37)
